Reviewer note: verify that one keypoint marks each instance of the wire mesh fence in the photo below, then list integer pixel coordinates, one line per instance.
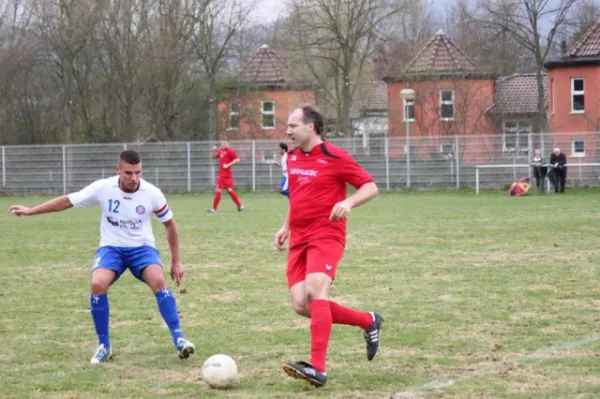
(440, 162)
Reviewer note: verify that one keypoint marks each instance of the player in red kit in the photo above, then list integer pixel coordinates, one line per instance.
(227, 158)
(316, 225)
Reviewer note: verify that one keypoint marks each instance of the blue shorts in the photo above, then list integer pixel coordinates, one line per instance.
(118, 259)
(283, 187)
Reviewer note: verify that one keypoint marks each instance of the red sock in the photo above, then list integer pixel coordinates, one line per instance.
(320, 331)
(351, 317)
(216, 200)
(235, 198)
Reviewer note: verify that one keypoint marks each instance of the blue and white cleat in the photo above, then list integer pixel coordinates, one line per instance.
(101, 355)
(184, 348)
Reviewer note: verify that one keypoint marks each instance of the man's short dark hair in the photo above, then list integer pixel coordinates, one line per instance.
(311, 115)
(130, 157)
(283, 146)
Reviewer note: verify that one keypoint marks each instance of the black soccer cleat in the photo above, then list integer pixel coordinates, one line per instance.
(305, 371)
(372, 335)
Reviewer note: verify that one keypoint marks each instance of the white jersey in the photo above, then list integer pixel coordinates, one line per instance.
(126, 217)
(284, 164)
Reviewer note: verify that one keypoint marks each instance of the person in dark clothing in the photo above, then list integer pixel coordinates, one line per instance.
(558, 162)
(540, 168)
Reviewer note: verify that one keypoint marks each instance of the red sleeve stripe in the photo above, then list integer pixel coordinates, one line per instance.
(161, 209)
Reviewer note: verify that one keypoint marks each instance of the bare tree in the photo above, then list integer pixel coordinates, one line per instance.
(585, 14)
(166, 69)
(121, 38)
(524, 20)
(494, 50)
(66, 28)
(212, 25)
(403, 34)
(331, 42)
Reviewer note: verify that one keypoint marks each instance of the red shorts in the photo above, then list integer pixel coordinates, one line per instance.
(225, 182)
(321, 256)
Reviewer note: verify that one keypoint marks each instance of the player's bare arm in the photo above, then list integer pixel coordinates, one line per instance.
(57, 204)
(230, 164)
(365, 193)
(173, 239)
(284, 232)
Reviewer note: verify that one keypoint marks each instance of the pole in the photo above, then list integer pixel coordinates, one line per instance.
(387, 163)
(407, 154)
(457, 160)
(3, 167)
(529, 152)
(64, 168)
(189, 167)
(476, 180)
(253, 165)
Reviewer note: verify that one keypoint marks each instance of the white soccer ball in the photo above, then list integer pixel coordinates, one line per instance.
(219, 371)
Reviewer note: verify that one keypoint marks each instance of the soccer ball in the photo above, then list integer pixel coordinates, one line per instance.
(219, 371)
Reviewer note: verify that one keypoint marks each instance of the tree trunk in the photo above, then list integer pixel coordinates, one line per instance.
(346, 103)
(213, 111)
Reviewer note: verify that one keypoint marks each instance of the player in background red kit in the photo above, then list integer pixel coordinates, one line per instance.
(316, 225)
(227, 158)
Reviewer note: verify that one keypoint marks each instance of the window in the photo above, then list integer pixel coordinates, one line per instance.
(516, 138)
(267, 111)
(447, 148)
(234, 116)
(447, 105)
(577, 96)
(409, 110)
(578, 148)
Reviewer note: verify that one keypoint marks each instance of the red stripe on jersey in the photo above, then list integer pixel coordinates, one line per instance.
(161, 209)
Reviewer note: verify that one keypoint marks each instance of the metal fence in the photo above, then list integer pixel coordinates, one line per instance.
(442, 162)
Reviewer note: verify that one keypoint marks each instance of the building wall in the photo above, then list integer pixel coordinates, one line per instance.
(472, 98)
(250, 112)
(559, 99)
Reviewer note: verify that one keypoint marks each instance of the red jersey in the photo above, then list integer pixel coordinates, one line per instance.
(225, 155)
(317, 181)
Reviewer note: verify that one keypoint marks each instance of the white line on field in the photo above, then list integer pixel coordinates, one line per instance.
(551, 351)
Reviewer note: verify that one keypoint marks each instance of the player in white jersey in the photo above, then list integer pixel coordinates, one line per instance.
(126, 242)
(283, 184)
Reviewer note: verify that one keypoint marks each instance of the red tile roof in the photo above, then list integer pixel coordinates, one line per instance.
(441, 56)
(265, 67)
(589, 44)
(516, 95)
(372, 97)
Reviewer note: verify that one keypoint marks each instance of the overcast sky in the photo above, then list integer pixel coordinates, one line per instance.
(269, 10)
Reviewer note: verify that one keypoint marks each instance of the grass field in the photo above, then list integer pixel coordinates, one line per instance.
(484, 297)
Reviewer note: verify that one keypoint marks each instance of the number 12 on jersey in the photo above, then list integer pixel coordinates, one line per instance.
(113, 206)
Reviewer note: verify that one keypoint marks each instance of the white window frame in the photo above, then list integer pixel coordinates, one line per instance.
(407, 105)
(451, 102)
(577, 154)
(232, 114)
(519, 150)
(577, 93)
(263, 113)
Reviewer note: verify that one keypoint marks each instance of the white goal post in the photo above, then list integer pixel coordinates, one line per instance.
(514, 167)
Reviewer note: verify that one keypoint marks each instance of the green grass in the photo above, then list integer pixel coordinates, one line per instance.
(499, 294)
